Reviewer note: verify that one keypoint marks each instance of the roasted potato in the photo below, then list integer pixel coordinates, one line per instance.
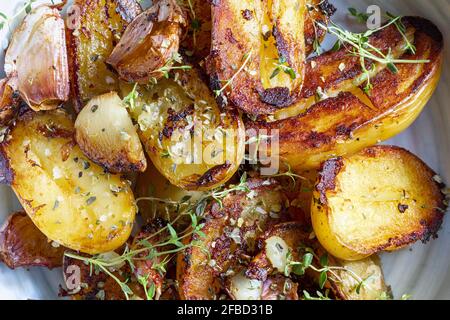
(261, 45)
(156, 197)
(100, 26)
(36, 60)
(382, 198)
(70, 199)
(23, 245)
(361, 279)
(149, 43)
(349, 119)
(197, 40)
(105, 133)
(189, 139)
(9, 103)
(230, 232)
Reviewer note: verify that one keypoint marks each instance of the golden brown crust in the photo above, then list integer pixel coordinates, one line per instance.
(101, 24)
(230, 232)
(23, 245)
(350, 120)
(9, 102)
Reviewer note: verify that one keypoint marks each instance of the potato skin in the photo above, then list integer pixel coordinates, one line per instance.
(402, 202)
(71, 200)
(9, 102)
(173, 111)
(239, 30)
(105, 133)
(23, 245)
(101, 24)
(350, 120)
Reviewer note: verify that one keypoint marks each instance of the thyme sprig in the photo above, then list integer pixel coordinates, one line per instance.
(169, 66)
(281, 65)
(360, 46)
(245, 59)
(5, 20)
(169, 245)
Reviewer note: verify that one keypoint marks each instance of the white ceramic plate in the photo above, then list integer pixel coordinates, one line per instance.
(423, 271)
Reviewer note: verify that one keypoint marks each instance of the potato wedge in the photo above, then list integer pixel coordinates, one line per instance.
(71, 200)
(36, 59)
(149, 43)
(230, 232)
(261, 45)
(97, 32)
(397, 202)
(349, 119)
(106, 135)
(189, 139)
(363, 279)
(23, 245)
(197, 42)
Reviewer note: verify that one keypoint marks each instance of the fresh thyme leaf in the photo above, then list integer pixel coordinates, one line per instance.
(360, 17)
(324, 260)
(323, 279)
(307, 260)
(246, 59)
(275, 73)
(130, 99)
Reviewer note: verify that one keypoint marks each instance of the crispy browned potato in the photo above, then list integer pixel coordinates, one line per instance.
(346, 119)
(36, 59)
(101, 25)
(261, 45)
(231, 232)
(382, 198)
(23, 245)
(9, 103)
(149, 43)
(197, 41)
(105, 133)
(70, 199)
(195, 144)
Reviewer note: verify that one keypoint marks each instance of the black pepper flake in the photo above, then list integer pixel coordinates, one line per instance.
(86, 165)
(91, 200)
(94, 108)
(402, 207)
(75, 159)
(80, 174)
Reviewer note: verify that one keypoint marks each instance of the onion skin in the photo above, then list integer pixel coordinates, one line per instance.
(36, 60)
(149, 42)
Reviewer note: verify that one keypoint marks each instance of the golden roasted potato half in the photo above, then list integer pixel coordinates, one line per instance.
(149, 43)
(9, 103)
(361, 279)
(70, 199)
(36, 59)
(230, 231)
(382, 198)
(156, 197)
(90, 42)
(23, 245)
(344, 119)
(261, 46)
(106, 135)
(189, 139)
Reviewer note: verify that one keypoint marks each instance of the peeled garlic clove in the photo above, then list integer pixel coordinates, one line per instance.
(36, 60)
(149, 42)
(105, 133)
